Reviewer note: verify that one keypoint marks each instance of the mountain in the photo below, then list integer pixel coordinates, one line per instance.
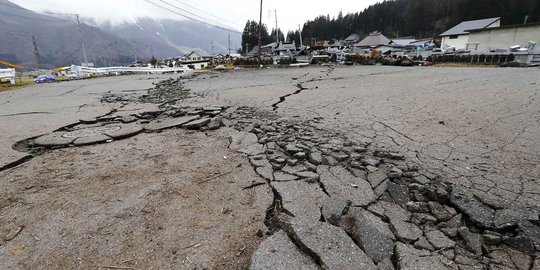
(419, 18)
(182, 36)
(59, 41)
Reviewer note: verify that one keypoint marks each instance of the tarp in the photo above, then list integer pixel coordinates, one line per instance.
(5, 63)
(61, 68)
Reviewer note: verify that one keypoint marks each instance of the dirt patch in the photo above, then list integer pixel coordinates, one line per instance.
(155, 201)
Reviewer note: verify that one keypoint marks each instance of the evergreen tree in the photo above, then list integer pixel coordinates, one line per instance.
(273, 35)
(250, 36)
(153, 61)
(418, 18)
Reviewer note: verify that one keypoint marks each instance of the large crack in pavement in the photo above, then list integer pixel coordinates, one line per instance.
(282, 99)
(338, 203)
(416, 220)
(116, 125)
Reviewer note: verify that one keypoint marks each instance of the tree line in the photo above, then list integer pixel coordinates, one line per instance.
(250, 36)
(418, 18)
(400, 18)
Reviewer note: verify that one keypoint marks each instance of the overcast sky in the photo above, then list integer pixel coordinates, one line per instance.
(230, 13)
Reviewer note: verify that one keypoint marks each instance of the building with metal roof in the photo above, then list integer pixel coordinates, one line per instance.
(374, 39)
(458, 36)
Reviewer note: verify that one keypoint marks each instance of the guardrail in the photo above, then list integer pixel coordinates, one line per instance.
(109, 70)
(9, 74)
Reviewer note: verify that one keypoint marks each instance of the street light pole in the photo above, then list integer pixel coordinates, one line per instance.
(260, 27)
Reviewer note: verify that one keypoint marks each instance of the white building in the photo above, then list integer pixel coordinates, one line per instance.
(194, 60)
(458, 36)
(500, 39)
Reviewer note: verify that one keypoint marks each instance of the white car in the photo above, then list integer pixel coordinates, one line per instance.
(72, 75)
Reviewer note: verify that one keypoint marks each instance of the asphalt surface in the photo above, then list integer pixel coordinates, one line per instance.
(476, 129)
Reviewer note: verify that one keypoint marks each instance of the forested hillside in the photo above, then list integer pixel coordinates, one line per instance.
(419, 18)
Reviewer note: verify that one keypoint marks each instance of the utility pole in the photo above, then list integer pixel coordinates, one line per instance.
(229, 44)
(277, 32)
(213, 47)
(300, 32)
(260, 28)
(36, 53)
(82, 43)
(135, 46)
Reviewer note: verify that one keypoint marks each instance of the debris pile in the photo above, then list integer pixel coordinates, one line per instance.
(116, 127)
(164, 92)
(168, 91)
(344, 205)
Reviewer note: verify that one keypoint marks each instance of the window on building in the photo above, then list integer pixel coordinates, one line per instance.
(454, 37)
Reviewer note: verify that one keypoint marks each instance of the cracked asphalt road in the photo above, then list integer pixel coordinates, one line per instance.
(143, 202)
(39, 109)
(478, 127)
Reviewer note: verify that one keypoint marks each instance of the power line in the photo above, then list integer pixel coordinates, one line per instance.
(33, 18)
(191, 18)
(184, 10)
(18, 34)
(214, 23)
(209, 14)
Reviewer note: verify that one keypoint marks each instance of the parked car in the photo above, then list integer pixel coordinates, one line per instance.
(72, 75)
(44, 79)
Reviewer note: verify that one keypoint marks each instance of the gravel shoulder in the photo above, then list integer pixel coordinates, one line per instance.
(149, 201)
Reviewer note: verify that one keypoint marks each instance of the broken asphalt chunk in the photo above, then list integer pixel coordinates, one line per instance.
(165, 123)
(411, 258)
(340, 183)
(370, 232)
(266, 172)
(279, 252)
(95, 139)
(477, 212)
(125, 131)
(329, 244)
(54, 139)
(197, 124)
(301, 199)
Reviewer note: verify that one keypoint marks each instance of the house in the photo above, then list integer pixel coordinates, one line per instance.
(375, 39)
(285, 48)
(426, 43)
(352, 39)
(403, 41)
(193, 56)
(194, 60)
(500, 39)
(411, 44)
(266, 50)
(458, 36)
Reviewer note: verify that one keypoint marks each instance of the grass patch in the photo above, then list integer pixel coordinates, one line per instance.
(19, 82)
(25, 81)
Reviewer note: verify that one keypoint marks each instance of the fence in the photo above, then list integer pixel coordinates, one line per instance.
(112, 70)
(9, 74)
(483, 59)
